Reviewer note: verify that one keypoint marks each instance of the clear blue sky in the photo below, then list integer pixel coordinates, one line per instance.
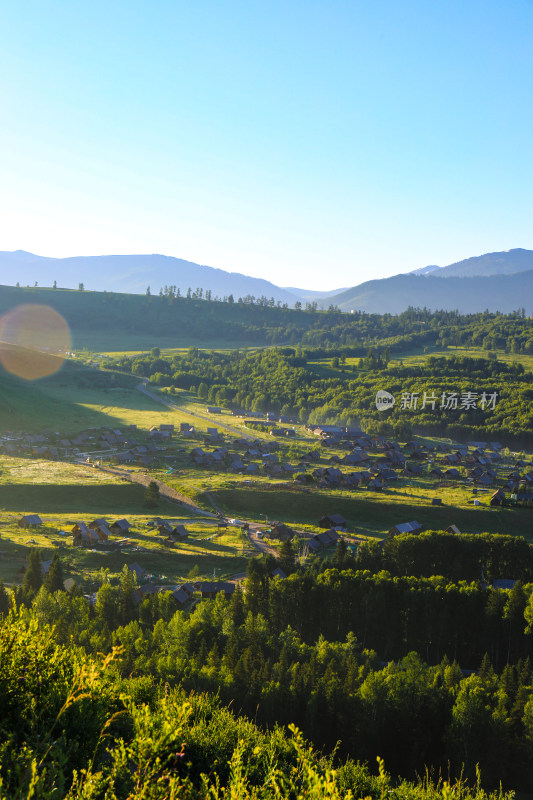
(316, 144)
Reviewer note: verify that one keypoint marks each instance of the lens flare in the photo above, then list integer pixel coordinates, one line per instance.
(34, 341)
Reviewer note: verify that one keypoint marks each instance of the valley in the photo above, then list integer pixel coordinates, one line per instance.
(228, 515)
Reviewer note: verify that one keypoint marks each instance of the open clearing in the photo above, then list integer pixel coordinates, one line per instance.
(374, 513)
(68, 493)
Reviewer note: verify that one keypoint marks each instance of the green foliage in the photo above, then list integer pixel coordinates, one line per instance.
(53, 705)
(276, 379)
(71, 728)
(4, 599)
(33, 578)
(456, 556)
(53, 581)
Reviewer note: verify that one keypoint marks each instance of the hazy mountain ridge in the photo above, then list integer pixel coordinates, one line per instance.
(506, 262)
(493, 282)
(425, 270)
(468, 295)
(309, 296)
(133, 274)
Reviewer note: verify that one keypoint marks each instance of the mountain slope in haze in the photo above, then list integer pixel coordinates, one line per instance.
(425, 270)
(132, 274)
(308, 295)
(506, 262)
(468, 295)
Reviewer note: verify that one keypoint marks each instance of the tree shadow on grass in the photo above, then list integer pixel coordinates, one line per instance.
(370, 515)
(214, 547)
(108, 500)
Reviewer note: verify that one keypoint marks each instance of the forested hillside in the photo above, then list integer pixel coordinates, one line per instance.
(198, 318)
(364, 663)
(400, 647)
(285, 380)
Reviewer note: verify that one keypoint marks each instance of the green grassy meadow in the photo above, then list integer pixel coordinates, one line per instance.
(323, 367)
(375, 513)
(119, 406)
(85, 342)
(63, 494)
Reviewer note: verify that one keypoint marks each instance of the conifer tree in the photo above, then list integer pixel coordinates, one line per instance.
(151, 496)
(4, 599)
(54, 577)
(33, 577)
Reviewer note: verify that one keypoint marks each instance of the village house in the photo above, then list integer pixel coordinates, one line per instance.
(174, 535)
(485, 479)
(30, 521)
(323, 540)
(453, 529)
(121, 526)
(414, 469)
(452, 473)
(355, 458)
(405, 527)
(138, 571)
(281, 532)
(96, 523)
(180, 596)
(210, 589)
(147, 589)
(498, 498)
(278, 573)
(85, 536)
(333, 521)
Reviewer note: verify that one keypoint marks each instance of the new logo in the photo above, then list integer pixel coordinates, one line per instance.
(384, 400)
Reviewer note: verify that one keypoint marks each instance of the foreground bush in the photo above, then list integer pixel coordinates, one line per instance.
(70, 727)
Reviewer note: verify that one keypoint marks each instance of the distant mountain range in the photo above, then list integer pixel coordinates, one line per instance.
(467, 295)
(501, 281)
(133, 274)
(494, 281)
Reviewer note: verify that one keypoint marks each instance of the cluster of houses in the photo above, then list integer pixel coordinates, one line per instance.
(259, 419)
(247, 460)
(125, 445)
(98, 532)
(172, 534)
(370, 462)
(333, 523)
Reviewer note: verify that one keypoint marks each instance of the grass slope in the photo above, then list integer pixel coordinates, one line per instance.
(27, 406)
(373, 514)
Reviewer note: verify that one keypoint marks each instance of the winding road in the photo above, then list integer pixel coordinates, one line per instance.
(173, 407)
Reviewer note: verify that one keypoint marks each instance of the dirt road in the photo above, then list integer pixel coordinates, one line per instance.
(164, 490)
(173, 407)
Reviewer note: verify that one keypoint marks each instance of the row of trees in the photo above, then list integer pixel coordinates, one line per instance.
(259, 321)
